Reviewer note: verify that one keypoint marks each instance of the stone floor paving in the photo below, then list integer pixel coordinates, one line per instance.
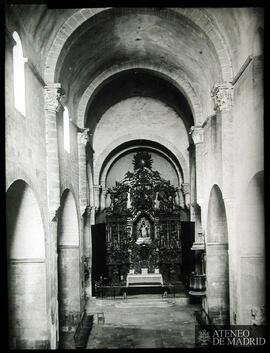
(145, 322)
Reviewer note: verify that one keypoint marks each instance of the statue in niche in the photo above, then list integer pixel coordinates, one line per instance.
(143, 232)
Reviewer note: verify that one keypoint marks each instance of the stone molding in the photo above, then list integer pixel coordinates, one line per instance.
(222, 94)
(197, 134)
(53, 94)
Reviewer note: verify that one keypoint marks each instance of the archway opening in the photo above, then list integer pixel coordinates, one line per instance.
(217, 267)
(26, 269)
(68, 267)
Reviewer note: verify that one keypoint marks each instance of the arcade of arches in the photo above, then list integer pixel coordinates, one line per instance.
(154, 179)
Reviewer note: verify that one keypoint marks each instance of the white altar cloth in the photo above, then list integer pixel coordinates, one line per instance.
(144, 278)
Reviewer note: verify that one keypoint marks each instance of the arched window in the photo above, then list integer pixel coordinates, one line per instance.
(66, 130)
(18, 71)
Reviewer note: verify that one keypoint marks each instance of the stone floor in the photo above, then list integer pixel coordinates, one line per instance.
(145, 321)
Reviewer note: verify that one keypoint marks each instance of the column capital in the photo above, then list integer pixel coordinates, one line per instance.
(53, 93)
(89, 209)
(222, 94)
(84, 136)
(197, 134)
(185, 188)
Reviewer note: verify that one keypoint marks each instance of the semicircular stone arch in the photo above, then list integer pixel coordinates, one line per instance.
(108, 164)
(199, 17)
(26, 269)
(178, 79)
(126, 138)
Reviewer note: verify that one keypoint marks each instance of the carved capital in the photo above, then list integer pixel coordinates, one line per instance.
(89, 209)
(222, 93)
(84, 136)
(197, 134)
(52, 95)
(185, 188)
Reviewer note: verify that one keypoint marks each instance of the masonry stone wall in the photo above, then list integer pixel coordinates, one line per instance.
(248, 161)
(27, 293)
(138, 117)
(26, 159)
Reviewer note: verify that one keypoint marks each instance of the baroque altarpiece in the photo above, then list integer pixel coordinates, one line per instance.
(143, 225)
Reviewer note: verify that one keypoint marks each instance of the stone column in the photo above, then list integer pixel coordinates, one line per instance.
(88, 249)
(52, 105)
(197, 134)
(180, 197)
(222, 94)
(97, 189)
(103, 197)
(52, 96)
(186, 191)
(83, 139)
(90, 184)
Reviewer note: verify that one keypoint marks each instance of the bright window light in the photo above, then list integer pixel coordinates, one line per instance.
(18, 71)
(66, 130)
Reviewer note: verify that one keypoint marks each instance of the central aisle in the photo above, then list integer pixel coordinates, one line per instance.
(145, 321)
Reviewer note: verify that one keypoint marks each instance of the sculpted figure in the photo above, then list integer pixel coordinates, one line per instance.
(144, 230)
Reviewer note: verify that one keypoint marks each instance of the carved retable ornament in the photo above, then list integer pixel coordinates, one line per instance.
(222, 93)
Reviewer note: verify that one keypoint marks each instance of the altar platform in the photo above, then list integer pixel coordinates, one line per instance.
(149, 279)
(144, 278)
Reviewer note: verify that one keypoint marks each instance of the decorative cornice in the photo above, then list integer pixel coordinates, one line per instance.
(53, 94)
(222, 94)
(197, 134)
